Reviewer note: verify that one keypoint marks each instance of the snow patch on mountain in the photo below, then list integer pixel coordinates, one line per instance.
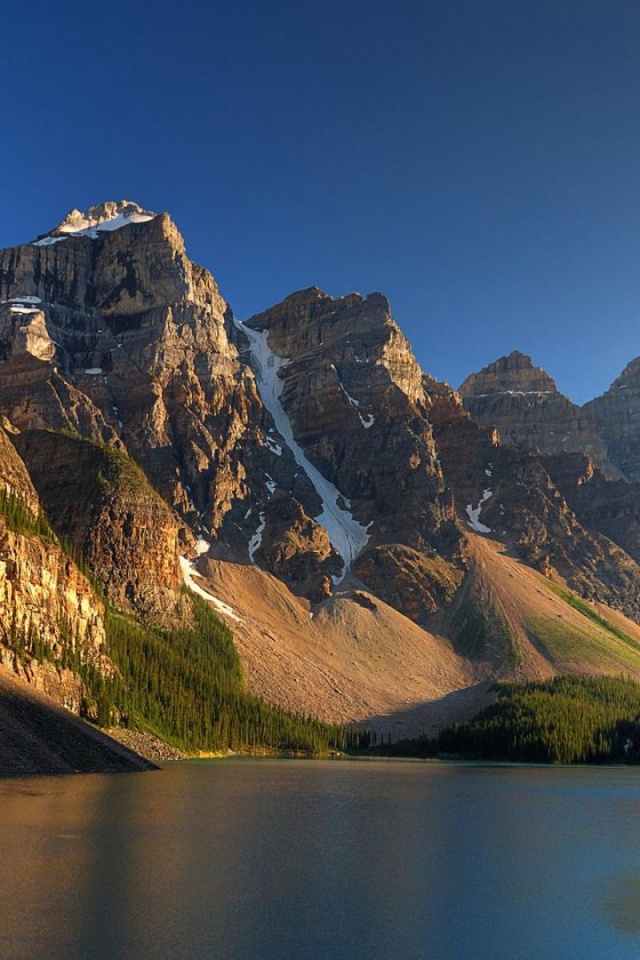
(20, 308)
(189, 573)
(353, 402)
(256, 539)
(474, 513)
(272, 445)
(368, 420)
(202, 546)
(97, 220)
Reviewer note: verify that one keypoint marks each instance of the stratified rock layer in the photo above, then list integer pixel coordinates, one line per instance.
(108, 513)
(46, 603)
(616, 416)
(523, 403)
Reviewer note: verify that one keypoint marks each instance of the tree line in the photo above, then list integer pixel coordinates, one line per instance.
(569, 719)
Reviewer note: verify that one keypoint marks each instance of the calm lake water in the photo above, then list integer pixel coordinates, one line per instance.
(306, 860)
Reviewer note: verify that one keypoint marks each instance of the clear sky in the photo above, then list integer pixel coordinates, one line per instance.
(475, 160)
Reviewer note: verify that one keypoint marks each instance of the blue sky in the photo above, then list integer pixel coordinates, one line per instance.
(475, 160)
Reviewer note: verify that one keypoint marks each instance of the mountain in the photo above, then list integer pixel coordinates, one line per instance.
(380, 546)
(524, 404)
(615, 415)
(589, 452)
(340, 381)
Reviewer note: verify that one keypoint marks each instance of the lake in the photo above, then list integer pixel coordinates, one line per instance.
(311, 860)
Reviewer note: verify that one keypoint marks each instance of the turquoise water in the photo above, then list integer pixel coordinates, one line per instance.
(299, 860)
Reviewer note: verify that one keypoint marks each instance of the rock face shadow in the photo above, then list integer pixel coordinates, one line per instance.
(40, 737)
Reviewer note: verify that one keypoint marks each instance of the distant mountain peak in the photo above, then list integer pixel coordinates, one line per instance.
(111, 215)
(517, 359)
(523, 403)
(514, 373)
(629, 378)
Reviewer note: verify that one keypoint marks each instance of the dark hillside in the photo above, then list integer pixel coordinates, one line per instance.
(39, 737)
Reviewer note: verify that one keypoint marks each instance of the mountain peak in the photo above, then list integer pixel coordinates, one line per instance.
(523, 403)
(111, 215)
(514, 373)
(516, 360)
(629, 378)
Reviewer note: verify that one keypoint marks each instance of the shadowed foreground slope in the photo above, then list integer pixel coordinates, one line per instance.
(39, 737)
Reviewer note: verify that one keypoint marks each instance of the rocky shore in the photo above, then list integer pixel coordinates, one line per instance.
(146, 745)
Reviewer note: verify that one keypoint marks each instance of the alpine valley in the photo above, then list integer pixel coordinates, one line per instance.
(376, 547)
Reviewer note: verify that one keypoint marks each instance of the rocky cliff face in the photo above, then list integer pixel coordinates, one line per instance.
(612, 507)
(109, 515)
(348, 384)
(537, 508)
(258, 437)
(48, 611)
(588, 451)
(616, 416)
(340, 380)
(523, 403)
(47, 606)
(348, 400)
(115, 334)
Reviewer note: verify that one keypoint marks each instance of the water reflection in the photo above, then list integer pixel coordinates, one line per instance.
(622, 904)
(314, 861)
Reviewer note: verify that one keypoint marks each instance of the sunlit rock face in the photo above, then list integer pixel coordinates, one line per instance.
(46, 603)
(106, 510)
(589, 455)
(141, 360)
(108, 331)
(523, 403)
